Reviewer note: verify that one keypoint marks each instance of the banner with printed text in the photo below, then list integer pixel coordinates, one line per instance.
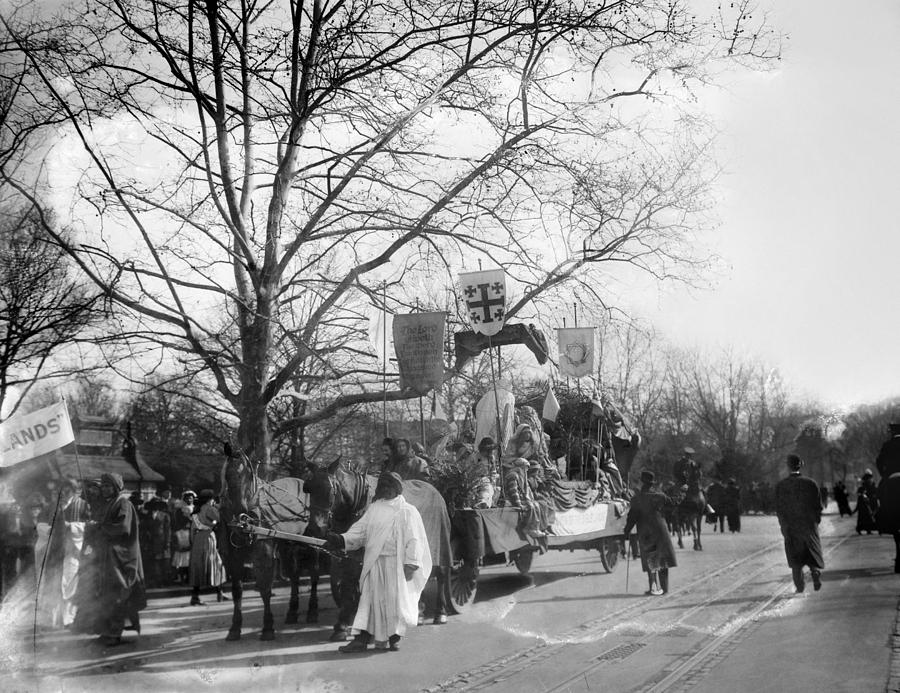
(35, 434)
(419, 345)
(485, 297)
(576, 351)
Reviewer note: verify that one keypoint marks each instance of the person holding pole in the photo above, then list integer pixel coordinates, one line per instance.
(657, 551)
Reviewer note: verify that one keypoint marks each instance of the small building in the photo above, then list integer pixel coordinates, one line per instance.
(102, 445)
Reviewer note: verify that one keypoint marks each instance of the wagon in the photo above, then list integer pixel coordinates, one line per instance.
(491, 536)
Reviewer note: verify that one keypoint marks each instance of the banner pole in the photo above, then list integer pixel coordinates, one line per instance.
(497, 411)
(384, 357)
(422, 421)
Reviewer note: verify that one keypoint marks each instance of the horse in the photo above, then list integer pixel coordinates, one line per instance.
(274, 505)
(692, 507)
(339, 495)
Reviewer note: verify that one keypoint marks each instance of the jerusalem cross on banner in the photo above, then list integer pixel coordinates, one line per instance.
(419, 344)
(485, 297)
(576, 351)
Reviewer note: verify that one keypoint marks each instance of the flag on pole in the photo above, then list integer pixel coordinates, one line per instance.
(380, 323)
(576, 351)
(551, 406)
(31, 435)
(485, 296)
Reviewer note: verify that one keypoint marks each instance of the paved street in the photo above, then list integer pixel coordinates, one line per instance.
(732, 622)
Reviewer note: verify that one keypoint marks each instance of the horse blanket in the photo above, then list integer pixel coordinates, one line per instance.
(282, 505)
(433, 510)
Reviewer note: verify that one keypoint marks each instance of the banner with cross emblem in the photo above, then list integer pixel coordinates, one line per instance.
(485, 296)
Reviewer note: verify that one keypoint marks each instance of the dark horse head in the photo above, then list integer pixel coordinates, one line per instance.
(238, 483)
(338, 496)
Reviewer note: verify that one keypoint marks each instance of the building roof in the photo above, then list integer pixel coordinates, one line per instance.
(92, 466)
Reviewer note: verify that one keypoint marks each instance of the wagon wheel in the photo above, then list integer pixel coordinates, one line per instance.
(523, 558)
(609, 553)
(460, 587)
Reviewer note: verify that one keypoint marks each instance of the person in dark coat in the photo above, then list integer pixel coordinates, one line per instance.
(866, 504)
(715, 497)
(732, 506)
(799, 509)
(121, 574)
(888, 465)
(842, 498)
(657, 551)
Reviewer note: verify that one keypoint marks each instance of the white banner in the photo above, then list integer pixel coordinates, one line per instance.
(485, 297)
(35, 434)
(576, 351)
(581, 520)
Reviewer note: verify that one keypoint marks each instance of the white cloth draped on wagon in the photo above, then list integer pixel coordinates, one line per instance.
(393, 534)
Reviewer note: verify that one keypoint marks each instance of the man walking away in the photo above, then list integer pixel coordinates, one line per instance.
(396, 566)
(799, 509)
(732, 506)
(657, 551)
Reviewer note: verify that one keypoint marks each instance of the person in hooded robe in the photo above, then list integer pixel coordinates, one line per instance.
(537, 514)
(206, 568)
(120, 571)
(396, 566)
(406, 463)
(799, 509)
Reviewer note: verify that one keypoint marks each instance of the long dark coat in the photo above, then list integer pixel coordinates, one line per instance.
(799, 509)
(646, 513)
(120, 570)
(888, 464)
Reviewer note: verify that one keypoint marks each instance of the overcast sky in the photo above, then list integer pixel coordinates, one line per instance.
(810, 242)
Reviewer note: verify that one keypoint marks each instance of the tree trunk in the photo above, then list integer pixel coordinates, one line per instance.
(254, 435)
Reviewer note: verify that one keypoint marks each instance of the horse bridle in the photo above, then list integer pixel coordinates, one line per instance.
(357, 507)
(326, 510)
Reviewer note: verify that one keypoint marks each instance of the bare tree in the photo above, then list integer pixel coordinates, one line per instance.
(277, 155)
(45, 308)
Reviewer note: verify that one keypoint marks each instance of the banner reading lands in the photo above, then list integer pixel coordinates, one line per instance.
(35, 434)
(419, 345)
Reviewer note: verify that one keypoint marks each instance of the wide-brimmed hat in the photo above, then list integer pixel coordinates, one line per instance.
(185, 494)
(794, 462)
(647, 477)
(206, 494)
(689, 451)
(868, 472)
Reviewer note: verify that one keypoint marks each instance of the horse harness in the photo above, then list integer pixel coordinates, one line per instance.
(358, 502)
